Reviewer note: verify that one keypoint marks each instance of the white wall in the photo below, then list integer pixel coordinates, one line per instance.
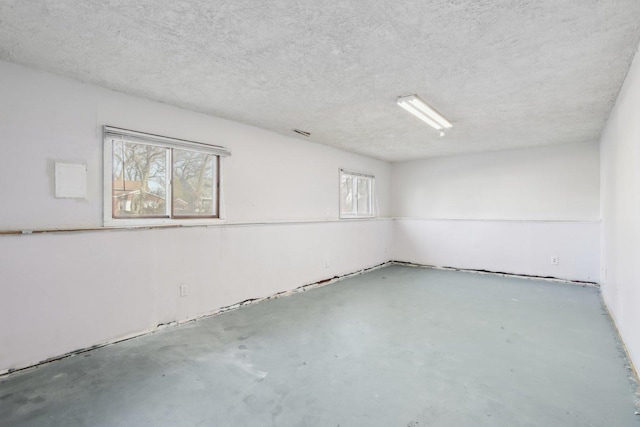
(516, 247)
(62, 292)
(65, 291)
(45, 118)
(508, 211)
(553, 183)
(620, 165)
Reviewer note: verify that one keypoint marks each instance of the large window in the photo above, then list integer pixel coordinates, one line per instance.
(356, 194)
(151, 179)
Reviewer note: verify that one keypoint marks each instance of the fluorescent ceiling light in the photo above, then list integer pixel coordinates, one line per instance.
(424, 112)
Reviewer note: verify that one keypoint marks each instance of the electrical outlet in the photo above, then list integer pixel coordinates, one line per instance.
(184, 290)
(555, 260)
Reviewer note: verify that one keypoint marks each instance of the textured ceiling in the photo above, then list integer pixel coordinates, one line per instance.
(507, 73)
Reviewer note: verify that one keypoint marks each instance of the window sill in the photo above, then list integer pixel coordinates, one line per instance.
(357, 216)
(153, 222)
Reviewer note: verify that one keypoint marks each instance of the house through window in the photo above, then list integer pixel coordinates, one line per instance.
(158, 178)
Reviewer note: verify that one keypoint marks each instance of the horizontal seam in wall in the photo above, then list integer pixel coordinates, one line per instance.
(25, 232)
(18, 232)
(571, 221)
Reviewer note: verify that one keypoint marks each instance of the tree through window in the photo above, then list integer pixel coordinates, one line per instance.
(356, 194)
(157, 177)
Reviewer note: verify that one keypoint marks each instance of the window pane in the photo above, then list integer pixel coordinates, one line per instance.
(139, 180)
(194, 183)
(347, 201)
(364, 196)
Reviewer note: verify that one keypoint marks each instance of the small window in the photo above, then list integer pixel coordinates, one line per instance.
(356, 194)
(156, 180)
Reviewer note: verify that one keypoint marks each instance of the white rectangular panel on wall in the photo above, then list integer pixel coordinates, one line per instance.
(71, 180)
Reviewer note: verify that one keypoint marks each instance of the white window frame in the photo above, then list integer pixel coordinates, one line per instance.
(111, 134)
(372, 193)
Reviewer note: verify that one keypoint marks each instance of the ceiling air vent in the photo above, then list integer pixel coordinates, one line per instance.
(301, 132)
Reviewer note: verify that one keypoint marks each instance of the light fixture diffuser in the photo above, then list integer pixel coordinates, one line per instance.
(424, 112)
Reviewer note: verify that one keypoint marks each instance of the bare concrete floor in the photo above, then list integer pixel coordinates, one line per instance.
(399, 346)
